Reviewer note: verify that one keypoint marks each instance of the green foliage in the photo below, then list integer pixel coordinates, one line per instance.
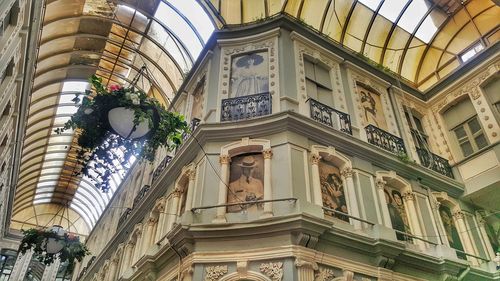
(37, 241)
(96, 140)
(404, 157)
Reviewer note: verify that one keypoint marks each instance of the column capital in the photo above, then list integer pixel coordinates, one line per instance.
(409, 196)
(176, 192)
(225, 159)
(347, 172)
(458, 215)
(152, 221)
(435, 205)
(315, 159)
(268, 153)
(380, 183)
(302, 263)
(192, 174)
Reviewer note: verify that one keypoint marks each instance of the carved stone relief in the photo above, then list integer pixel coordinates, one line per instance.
(214, 273)
(273, 270)
(324, 274)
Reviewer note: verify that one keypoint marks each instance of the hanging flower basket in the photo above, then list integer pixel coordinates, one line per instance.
(53, 243)
(118, 118)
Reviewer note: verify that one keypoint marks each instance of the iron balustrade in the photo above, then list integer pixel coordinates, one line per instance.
(124, 216)
(434, 162)
(163, 164)
(195, 122)
(385, 140)
(246, 107)
(329, 116)
(140, 195)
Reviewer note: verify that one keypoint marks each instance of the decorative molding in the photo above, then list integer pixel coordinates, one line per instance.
(408, 196)
(315, 158)
(214, 273)
(273, 270)
(324, 274)
(225, 159)
(458, 215)
(268, 153)
(346, 172)
(303, 263)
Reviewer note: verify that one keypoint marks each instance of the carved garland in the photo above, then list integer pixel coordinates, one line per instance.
(324, 274)
(273, 270)
(214, 273)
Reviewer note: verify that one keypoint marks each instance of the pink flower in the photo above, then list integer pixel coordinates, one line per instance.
(114, 87)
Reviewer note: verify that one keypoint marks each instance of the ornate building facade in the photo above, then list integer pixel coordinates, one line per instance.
(306, 161)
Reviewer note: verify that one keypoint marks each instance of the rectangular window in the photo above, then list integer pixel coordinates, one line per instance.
(318, 83)
(465, 127)
(470, 136)
(418, 134)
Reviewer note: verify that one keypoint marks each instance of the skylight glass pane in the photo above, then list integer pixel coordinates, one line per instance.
(82, 214)
(45, 190)
(41, 201)
(413, 14)
(392, 8)
(46, 183)
(56, 155)
(50, 171)
(181, 29)
(197, 16)
(74, 86)
(471, 52)
(66, 109)
(60, 139)
(430, 25)
(372, 4)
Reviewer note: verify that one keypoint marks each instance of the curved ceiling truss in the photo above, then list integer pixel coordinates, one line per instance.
(114, 41)
(422, 41)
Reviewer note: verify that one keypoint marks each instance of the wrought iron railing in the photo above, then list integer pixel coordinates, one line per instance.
(329, 116)
(385, 140)
(140, 195)
(195, 122)
(163, 164)
(434, 162)
(246, 107)
(124, 216)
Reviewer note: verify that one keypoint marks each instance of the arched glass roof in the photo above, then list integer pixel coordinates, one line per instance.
(422, 41)
(80, 38)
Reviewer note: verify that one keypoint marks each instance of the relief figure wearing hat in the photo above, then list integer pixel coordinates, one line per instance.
(246, 182)
(249, 74)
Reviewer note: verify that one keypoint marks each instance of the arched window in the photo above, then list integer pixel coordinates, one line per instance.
(333, 187)
(400, 212)
(246, 177)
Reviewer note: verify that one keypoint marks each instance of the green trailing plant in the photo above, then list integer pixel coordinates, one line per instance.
(404, 157)
(98, 144)
(36, 240)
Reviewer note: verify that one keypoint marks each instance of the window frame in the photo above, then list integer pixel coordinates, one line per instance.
(470, 136)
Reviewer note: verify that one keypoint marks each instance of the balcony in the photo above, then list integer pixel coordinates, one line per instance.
(434, 162)
(247, 107)
(329, 116)
(124, 217)
(385, 140)
(195, 122)
(140, 195)
(163, 164)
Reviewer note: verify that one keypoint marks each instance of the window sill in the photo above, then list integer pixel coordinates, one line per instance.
(475, 154)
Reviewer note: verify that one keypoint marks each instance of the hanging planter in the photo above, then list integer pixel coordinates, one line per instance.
(124, 119)
(48, 245)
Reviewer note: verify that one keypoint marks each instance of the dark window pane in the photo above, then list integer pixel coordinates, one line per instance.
(466, 148)
(474, 125)
(481, 141)
(460, 133)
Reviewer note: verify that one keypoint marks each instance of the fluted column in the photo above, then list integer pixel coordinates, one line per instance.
(127, 257)
(459, 219)
(268, 189)
(190, 191)
(381, 194)
(411, 213)
(172, 213)
(305, 269)
(351, 196)
(161, 221)
(113, 266)
(223, 185)
(484, 236)
(318, 200)
(149, 235)
(442, 232)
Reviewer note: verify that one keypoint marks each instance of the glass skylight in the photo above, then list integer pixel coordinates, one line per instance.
(411, 17)
(472, 52)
